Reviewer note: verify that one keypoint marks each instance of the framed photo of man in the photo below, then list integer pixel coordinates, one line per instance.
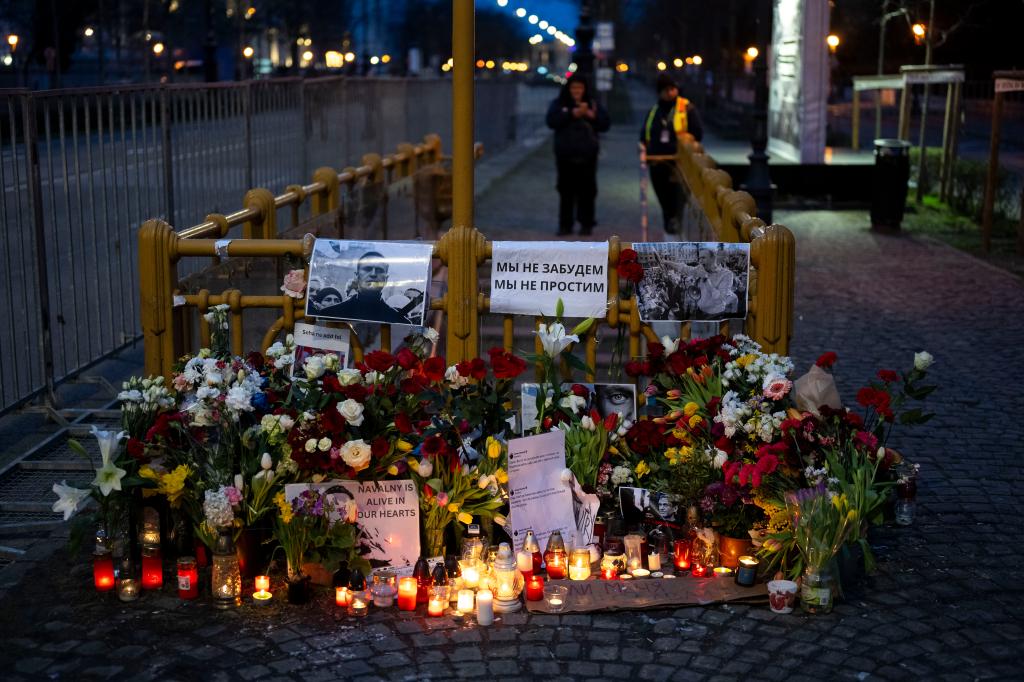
(364, 281)
(693, 281)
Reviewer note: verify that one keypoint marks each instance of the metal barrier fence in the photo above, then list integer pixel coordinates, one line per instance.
(171, 313)
(82, 168)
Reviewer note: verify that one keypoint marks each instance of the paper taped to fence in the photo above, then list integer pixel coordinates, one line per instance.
(650, 593)
(528, 278)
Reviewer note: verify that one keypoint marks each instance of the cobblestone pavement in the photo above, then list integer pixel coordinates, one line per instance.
(944, 604)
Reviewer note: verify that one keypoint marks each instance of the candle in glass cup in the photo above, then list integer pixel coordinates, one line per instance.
(556, 566)
(609, 573)
(437, 601)
(407, 590)
(654, 562)
(484, 607)
(103, 571)
(699, 570)
(681, 552)
(262, 582)
(152, 569)
(722, 572)
(524, 562)
(465, 603)
(746, 573)
(188, 578)
(343, 596)
(359, 605)
(579, 566)
(535, 588)
(470, 573)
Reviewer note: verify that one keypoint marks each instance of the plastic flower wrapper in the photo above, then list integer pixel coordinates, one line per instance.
(814, 389)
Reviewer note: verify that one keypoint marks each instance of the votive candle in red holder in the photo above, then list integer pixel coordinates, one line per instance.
(535, 588)
(188, 578)
(699, 571)
(681, 554)
(610, 573)
(103, 571)
(407, 589)
(342, 596)
(152, 569)
(556, 566)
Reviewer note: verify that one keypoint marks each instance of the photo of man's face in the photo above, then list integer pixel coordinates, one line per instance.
(707, 259)
(371, 273)
(664, 507)
(613, 399)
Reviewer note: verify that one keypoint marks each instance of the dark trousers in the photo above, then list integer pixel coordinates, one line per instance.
(577, 190)
(669, 188)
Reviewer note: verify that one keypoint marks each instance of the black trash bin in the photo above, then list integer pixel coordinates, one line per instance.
(889, 190)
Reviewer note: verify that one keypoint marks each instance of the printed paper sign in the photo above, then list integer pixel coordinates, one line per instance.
(389, 516)
(528, 278)
(314, 339)
(538, 500)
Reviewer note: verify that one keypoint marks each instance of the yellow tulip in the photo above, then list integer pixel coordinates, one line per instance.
(501, 475)
(403, 446)
(465, 518)
(493, 448)
(454, 507)
(393, 470)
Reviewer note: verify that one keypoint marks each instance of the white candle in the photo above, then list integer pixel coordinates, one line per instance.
(484, 607)
(465, 603)
(654, 561)
(471, 576)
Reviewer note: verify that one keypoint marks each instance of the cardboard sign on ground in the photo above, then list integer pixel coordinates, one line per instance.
(650, 593)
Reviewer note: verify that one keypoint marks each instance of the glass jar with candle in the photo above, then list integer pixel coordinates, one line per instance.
(555, 596)
(681, 554)
(152, 567)
(634, 559)
(579, 564)
(227, 580)
(407, 590)
(746, 572)
(437, 601)
(817, 594)
(102, 568)
(384, 588)
(128, 586)
(530, 545)
(535, 588)
(473, 544)
(555, 556)
(470, 569)
(506, 580)
(188, 578)
(466, 601)
(359, 606)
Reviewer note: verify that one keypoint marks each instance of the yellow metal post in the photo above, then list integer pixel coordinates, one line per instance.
(462, 245)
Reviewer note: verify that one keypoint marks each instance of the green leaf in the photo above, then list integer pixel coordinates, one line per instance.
(559, 308)
(576, 363)
(583, 326)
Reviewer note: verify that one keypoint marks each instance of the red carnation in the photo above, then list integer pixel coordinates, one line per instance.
(826, 360)
(434, 368)
(888, 376)
(505, 364)
(631, 272)
(628, 256)
(136, 448)
(379, 361)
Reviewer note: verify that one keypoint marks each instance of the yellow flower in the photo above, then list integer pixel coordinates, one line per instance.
(685, 453)
(745, 360)
(493, 447)
(642, 469)
(172, 484)
(465, 518)
(501, 475)
(612, 450)
(694, 420)
(403, 446)
(691, 409)
(413, 462)
(147, 472)
(284, 507)
(454, 507)
(393, 470)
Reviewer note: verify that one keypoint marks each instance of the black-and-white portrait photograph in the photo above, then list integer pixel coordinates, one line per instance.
(605, 398)
(686, 281)
(385, 282)
(649, 507)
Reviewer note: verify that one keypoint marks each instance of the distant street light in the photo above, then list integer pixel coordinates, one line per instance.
(248, 52)
(12, 40)
(543, 25)
(552, 30)
(662, 66)
(502, 3)
(832, 41)
(350, 56)
(677, 62)
(480, 63)
(752, 52)
(158, 49)
(698, 60)
(920, 32)
(88, 31)
(307, 56)
(375, 60)
(385, 59)
(533, 19)
(490, 64)
(520, 12)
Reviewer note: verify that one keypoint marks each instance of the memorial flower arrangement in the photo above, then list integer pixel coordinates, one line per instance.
(313, 527)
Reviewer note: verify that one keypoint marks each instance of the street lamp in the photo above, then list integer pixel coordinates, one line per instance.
(677, 62)
(375, 60)
(350, 56)
(662, 66)
(248, 52)
(833, 42)
(12, 40)
(920, 32)
(88, 32)
(698, 60)
(158, 49)
(752, 52)
(385, 59)
(520, 12)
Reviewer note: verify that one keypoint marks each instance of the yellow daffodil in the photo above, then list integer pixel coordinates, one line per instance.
(745, 360)
(172, 484)
(284, 507)
(147, 472)
(642, 469)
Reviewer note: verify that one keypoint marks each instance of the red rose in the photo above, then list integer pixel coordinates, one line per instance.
(505, 364)
(655, 349)
(407, 359)
(379, 361)
(631, 272)
(474, 368)
(331, 384)
(414, 385)
(379, 447)
(826, 360)
(356, 392)
(136, 448)
(643, 436)
(678, 363)
(403, 423)
(434, 368)
(888, 376)
(580, 391)
(635, 368)
(627, 256)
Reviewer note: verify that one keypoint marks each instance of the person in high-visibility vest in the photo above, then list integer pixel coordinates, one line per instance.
(662, 128)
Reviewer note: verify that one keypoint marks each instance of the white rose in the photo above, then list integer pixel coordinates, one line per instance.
(356, 454)
(310, 445)
(324, 444)
(372, 377)
(286, 422)
(314, 367)
(456, 380)
(352, 411)
(348, 377)
(923, 360)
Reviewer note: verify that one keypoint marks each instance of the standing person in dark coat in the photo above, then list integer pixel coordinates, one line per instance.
(665, 124)
(576, 119)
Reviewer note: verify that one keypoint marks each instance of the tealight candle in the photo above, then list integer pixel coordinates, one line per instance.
(723, 572)
(359, 606)
(437, 601)
(470, 573)
(484, 607)
(579, 567)
(555, 596)
(127, 589)
(699, 570)
(342, 596)
(524, 562)
(407, 589)
(465, 603)
(640, 573)
(535, 588)
(103, 571)
(654, 561)
(149, 536)
(746, 573)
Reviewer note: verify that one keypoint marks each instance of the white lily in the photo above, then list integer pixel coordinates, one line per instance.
(554, 339)
(108, 476)
(69, 498)
(108, 441)
(671, 346)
